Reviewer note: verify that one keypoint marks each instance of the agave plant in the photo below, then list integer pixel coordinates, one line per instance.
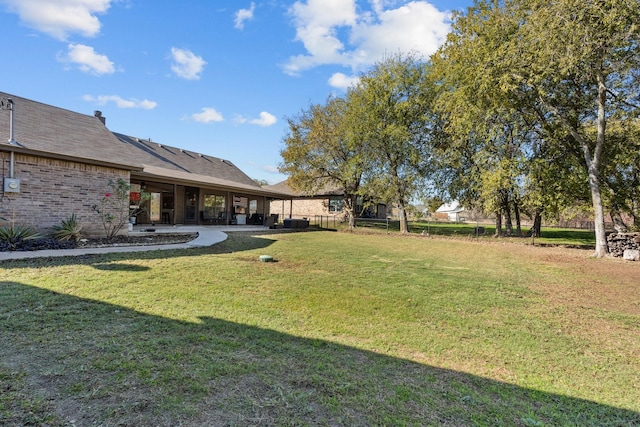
(13, 234)
(68, 229)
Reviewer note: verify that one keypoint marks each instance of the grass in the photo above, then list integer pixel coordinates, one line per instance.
(550, 235)
(344, 329)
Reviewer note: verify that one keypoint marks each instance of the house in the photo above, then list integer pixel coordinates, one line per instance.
(56, 163)
(326, 202)
(450, 211)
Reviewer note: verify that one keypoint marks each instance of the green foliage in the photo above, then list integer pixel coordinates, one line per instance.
(69, 229)
(393, 105)
(551, 74)
(374, 143)
(324, 151)
(114, 207)
(14, 234)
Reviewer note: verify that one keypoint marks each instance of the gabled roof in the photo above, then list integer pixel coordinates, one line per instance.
(49, 131)
(453, 207)
(173, 161)
(60, 133)
(285, 188)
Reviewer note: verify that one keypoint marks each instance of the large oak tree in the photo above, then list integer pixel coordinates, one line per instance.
(392, 106)
(569, 65)
(323, 149)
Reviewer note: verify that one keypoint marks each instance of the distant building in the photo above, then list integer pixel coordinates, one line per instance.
(325, 202)
(450, 211)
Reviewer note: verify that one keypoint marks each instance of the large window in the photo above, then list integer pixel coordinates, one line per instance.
(214, 205)
(336, 204)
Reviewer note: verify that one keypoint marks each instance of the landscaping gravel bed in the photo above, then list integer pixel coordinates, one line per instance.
(134, 240)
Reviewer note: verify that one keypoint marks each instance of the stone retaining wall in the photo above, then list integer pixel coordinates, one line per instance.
(625, 245)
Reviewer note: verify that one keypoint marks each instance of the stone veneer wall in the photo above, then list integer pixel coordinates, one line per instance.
(51, 190)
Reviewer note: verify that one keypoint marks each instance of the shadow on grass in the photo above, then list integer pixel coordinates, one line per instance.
(236, 242)
(66, 360)
(120, 267)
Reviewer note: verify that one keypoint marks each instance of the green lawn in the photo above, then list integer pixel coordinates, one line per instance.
(344, 329)
(550, 235)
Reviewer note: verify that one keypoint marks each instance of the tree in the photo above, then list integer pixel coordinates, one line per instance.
(621, 173)
(322, 149)
(569, 65)
(391, 105)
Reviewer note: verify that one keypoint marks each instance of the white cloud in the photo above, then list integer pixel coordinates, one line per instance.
(342, 81)
(88, 60)
(207, 115)
(122, 103)
(336, 32)
(317, 23)
(415, 27)
(265, 120)
(244, 15)
(186, 64)
(60, 18)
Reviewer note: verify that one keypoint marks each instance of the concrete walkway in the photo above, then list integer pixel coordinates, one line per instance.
(207, 236)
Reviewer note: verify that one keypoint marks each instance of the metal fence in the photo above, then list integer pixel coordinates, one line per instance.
(321, 221)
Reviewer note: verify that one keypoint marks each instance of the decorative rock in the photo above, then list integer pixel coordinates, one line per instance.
(631, 254)
(266, 258)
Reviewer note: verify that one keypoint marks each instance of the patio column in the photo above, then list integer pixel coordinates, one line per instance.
(175, 201)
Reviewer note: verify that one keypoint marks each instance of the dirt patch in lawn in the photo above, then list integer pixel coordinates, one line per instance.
(583, 281)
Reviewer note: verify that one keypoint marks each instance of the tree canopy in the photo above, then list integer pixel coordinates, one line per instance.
(564, 69)
(372, 143)
(529, 106)
(322, 149)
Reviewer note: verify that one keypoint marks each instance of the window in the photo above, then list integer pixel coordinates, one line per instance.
(214, 205)
(335, 204)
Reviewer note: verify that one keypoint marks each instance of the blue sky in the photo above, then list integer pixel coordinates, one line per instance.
(218, 77)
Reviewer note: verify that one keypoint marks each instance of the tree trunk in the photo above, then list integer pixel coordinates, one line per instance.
(516, 212)
(498, 232)
(537, 224)
(404, 222)
(349, 202)
(616, 218)
(602, 249)
(506, 208)
(593, 165)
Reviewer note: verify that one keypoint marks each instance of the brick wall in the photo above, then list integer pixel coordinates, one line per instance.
(307, 208)
(52, 190)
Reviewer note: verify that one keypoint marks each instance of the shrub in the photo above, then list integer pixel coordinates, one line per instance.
(13, 235)
(68, 229)
(114, 207)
